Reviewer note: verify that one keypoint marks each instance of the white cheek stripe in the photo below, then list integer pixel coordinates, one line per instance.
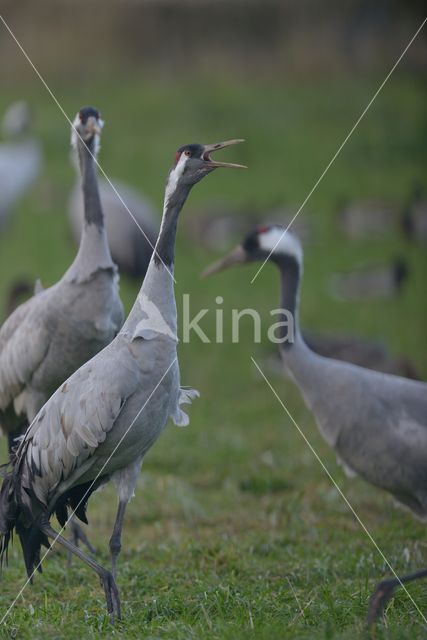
(278, 241)
(174, 177)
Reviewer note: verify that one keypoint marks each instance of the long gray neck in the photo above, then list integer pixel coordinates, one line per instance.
(289, 299)
(94, 252)
(154, 310)
(299, 360)
(91, 200)
(165, 245)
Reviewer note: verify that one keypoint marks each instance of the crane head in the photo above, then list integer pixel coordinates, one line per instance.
(193, 162)
(270, 242)
(87, 126)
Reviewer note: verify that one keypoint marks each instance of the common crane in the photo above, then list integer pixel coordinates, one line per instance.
(101, 422)
(375, 422)
(53, 333)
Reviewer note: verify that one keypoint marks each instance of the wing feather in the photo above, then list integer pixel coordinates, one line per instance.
(24, 343)
(78, 417)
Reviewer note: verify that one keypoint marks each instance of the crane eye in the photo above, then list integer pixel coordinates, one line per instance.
(187, 153)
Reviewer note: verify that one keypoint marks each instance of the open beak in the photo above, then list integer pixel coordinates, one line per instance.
(213, 164)
(237, 256)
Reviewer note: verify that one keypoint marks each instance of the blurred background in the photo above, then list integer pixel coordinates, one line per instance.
(291, 78)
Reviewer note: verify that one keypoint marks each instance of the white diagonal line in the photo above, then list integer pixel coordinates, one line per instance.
(88, 490)
(62, 110)
(342, 145)
(325, 469)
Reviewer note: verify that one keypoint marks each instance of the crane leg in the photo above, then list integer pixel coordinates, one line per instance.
(78, 535)
(116, 536)
(384, 591)
(110, 588)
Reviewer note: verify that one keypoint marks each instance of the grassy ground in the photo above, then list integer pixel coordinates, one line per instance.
(235, 531)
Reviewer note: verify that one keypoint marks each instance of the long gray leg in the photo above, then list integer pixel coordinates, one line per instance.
(116, 536)
(107, 580)
(385, 590)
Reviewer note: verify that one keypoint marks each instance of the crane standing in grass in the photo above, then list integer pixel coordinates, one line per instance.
(53, 333)
(101, 422)
(376, 422)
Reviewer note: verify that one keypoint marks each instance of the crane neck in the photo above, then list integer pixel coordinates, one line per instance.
(165, 246)
(156, 298)
(290, 275)
(94, 252)
(297, 357)
(91, 200)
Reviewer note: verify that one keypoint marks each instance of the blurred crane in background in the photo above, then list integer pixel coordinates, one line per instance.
(20, 158)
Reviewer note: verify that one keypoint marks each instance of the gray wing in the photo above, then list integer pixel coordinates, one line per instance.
(24, 343)
(63, 437)
(377, 424)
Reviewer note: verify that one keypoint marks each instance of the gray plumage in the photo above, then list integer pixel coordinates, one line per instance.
(20, 158)
(375, 422)
(130, 249)
(371, 354)
(101, 422)
(50, 335)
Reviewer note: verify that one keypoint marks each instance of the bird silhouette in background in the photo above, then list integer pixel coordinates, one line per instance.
(20, 158)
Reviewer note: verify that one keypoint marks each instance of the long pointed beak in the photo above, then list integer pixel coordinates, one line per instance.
(94, 126)
(237, 256)
(209, 148)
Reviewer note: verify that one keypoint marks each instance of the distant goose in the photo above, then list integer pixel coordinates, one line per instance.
(20, 158)
(130, 249)
(212, 226)
(375, 422)
(414, 219)
(370, 282)
(362, 219)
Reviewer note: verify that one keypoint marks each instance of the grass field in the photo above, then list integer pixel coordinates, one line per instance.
(236, 531)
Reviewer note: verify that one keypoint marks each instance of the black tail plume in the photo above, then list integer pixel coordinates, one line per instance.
(31, 539)
(8, 515)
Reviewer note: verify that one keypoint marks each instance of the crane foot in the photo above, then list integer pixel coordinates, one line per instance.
(112, 596)
(379, 599)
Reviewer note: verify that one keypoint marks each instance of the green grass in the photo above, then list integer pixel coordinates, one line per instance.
(235, 531)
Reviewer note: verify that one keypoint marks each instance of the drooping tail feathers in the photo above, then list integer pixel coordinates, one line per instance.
(8, 514)
(11, 518)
